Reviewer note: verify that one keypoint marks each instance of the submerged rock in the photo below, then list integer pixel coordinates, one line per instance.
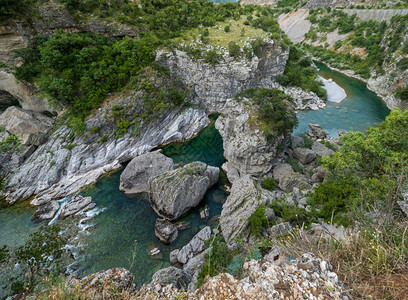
(76, 203)
(174, 193)
(46, 211)
(135, 178)
(165, 231)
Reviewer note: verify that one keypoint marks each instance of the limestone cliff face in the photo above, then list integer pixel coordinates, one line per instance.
(213, 85)
(66, 163)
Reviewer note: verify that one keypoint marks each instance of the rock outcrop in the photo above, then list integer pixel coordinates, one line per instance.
(24, 94)
(195, 246)
(76, 203)
(28, 126)
(287, 178)
(213, 85)
(245, 146)
(317, 132)
(165, 231)
(243, 201)
(103, 284)
(171, 275)
(306, 277)
(84, 159)
(304, 155)
(46, 211)
(134, 179)
(174, 193)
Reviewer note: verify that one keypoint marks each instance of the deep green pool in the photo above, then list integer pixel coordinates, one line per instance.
(123, 234)
(360, 110)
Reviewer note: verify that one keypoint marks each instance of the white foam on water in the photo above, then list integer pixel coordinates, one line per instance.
(62, 202)
(335, 93)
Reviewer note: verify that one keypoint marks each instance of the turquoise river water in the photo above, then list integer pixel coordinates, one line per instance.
(123, 233)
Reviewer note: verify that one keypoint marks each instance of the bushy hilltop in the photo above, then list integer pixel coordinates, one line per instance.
(363, 4)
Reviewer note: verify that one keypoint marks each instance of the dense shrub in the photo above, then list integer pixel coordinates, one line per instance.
(273, 110)
(300, 72)
(268, 183)
(234, 49)
(258, 221)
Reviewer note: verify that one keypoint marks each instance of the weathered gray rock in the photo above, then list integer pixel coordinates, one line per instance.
(296, 141)
(318, 175)
(287, 179)
(91, 157)
(173, 256)
(165, 231)
(174, 193)
(281, 229)
(321, 150)
(97, 284)
(316, 131)
(245, 146)
(26, 125)
(213, 85)
(230, 171)
(171, 275)
(195, 246)
(304, 155)
(135, 178)
(46, 211)
(74, 205)
(24, 94)
(243, 201)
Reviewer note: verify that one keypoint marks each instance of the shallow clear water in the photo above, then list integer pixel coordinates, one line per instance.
(123, 235)
(360, 110)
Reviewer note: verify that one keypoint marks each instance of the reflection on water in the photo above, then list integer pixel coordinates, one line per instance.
(360, 110)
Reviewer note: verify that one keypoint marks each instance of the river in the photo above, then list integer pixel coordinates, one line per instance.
(122, 234)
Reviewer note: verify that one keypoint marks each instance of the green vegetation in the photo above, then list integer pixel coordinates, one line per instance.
(288, 3)
(258, 221)
(274, 113)
(10, 8)
(268, 183)
(293, 214)
(300, 71)
(369, 171)
(38, 258)
(10, 143)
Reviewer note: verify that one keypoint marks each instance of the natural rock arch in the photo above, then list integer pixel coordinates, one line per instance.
(25, 96)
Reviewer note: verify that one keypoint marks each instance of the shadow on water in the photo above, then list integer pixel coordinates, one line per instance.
(124, 233)
(360, 110)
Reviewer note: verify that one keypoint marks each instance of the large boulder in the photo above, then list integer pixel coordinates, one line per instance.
(287, 178)
(304, 155)
(46, 211)
(30, 127)
(321, 150)
(165, 231)
(317, 132)
(174, 193)
(243, 201)
(171, 275)
(76, 203)
(135, 178)
(195, 246)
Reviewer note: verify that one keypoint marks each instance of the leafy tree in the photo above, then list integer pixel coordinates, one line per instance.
(39, 256)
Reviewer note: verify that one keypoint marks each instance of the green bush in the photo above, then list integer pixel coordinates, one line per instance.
(234, 49)
(258, 221)
(268, 183)
(227, 28)
(293, 214)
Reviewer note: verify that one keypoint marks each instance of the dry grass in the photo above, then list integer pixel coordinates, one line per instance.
(218, 36)
(372, 263)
